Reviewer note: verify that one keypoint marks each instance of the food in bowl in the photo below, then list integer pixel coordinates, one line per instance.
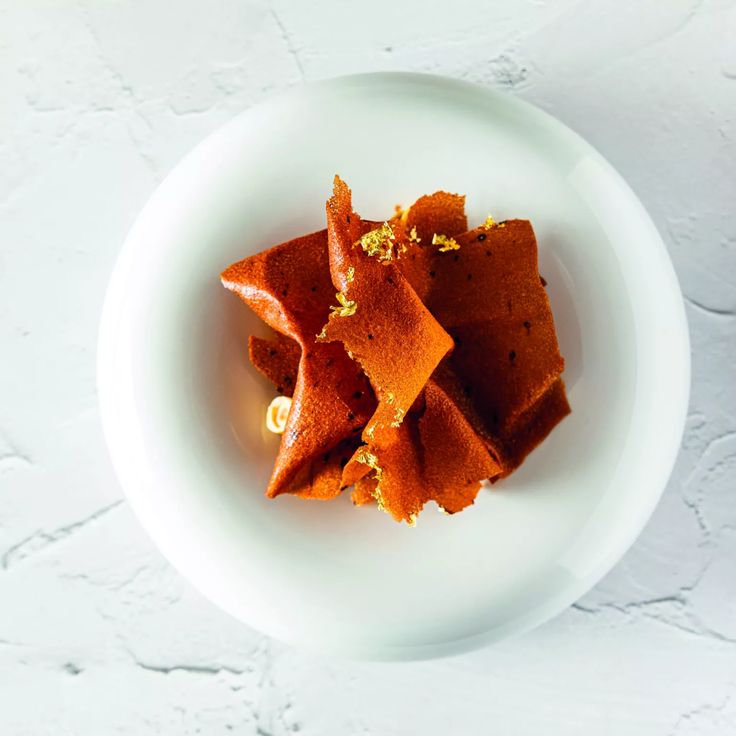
(420, 358)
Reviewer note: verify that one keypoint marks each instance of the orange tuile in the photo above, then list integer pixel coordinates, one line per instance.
(455, 458)
(489, 297)
(364, 491)
(445, 420)
(435, 455)
(277, 360)
(440, 212)
(391, 328)
(289, 287)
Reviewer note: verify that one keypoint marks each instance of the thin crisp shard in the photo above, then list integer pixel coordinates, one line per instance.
(277, 360)
(320, 479)
(392, 336)
(440, 212)
(456, 459)
(289, 287)
(506, 353)
(533, 426)
(398, 486)
(364, 491)
(435, 455)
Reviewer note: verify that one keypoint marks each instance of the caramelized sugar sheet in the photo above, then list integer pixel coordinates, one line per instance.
(289, 287)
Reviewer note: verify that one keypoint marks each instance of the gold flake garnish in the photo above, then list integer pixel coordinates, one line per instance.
(379, 242)
(489, 223)
(446, 243)
(351, 274)
(369, 431)
(346, 308)
(323, 334)
(366, 457)
(413, 237)
(412, 521)
(390, 398)
(398, 418)
(350, 354)
(378, 495)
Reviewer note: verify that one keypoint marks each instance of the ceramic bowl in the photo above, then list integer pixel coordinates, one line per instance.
(183, 411)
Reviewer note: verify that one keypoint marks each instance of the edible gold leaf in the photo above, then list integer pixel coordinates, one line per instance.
(379, 242)
(398, 417)
(378, 496)
(346, 307)
(366, 457)
(446, 243)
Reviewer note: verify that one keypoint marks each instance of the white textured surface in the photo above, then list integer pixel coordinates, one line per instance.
(97, 634)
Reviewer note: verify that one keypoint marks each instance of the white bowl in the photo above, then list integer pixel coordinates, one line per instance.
(183, 411)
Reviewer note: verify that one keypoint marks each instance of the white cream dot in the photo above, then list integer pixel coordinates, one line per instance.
(277, 414)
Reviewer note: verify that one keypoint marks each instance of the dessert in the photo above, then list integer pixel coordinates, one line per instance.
(420, 357)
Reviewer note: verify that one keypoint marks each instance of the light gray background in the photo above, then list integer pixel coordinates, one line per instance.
(98, 100)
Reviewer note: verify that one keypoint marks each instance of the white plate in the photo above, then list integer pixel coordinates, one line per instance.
(183, 411)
